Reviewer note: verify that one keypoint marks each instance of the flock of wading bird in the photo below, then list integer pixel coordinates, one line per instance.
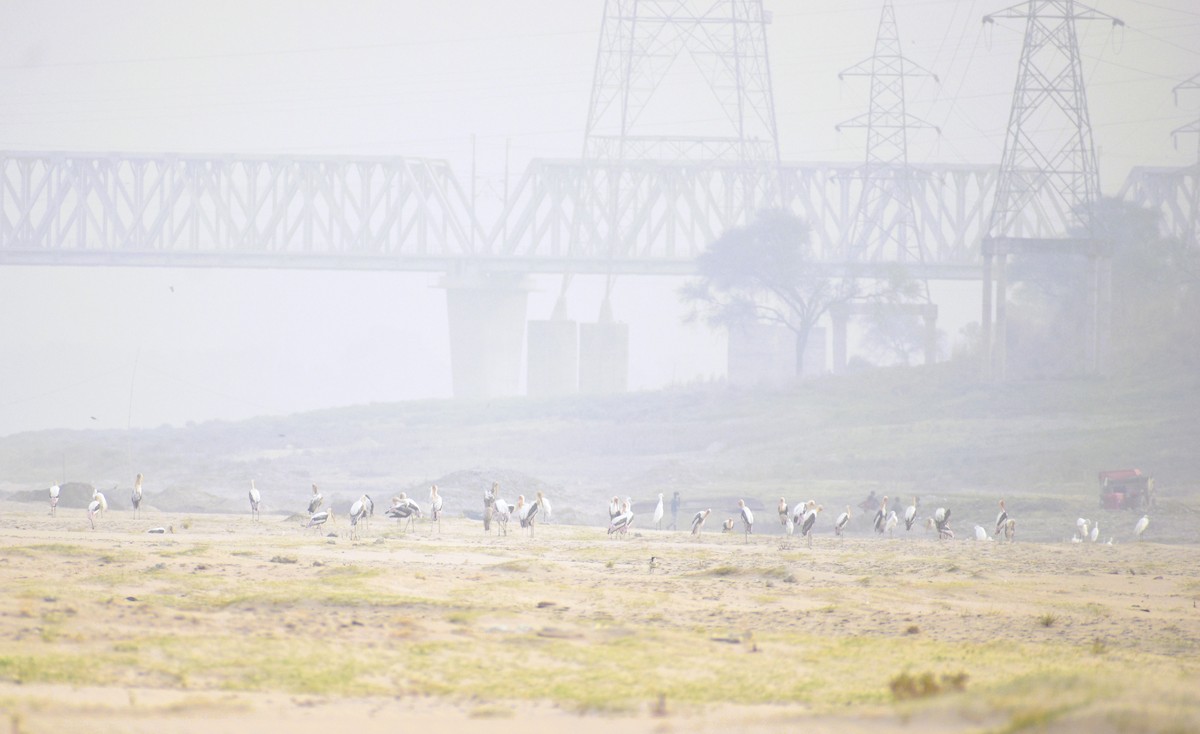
(801, 518)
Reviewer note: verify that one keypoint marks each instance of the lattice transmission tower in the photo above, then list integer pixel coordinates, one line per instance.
(1048, 172)
(1049, 159)
(884, 227)
(1192, 128)
(720, 43)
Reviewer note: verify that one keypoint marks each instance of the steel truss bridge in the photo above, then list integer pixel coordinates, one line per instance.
(565, 216)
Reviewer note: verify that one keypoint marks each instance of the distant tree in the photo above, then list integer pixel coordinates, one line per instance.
(768, 272)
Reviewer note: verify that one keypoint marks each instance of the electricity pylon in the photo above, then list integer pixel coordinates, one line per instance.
(640, 43)
(1049, 166)
(1193, 128)
(884, 227)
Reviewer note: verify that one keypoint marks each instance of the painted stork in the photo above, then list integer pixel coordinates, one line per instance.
(800, 512)
(880, 521)
(747, 519)
(54, 492)
(614, 508)
(98, 496)
(941, 522)
(892, 521)
(1081, 528)
(404, 509)
(319, 519)
(698, 520)
(1141, 526)
(1095, 534)
(435, 507)
(785, 517)
(255, 501)
(93, 510)
(358, 511)
(527, 513)
(658, 512)
(136, 498)
(810, 520)
(1001, 519)
(315, 501)
(544, 506)
(500, 513)
(619, 525)
(727, 526)
(1010, 527)
(839, 526)
(910, 514)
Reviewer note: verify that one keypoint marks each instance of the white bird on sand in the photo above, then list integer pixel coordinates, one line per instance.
(809, 521)
(698, 520)
(500, 513)
(1010, 527)
(544, 506)
(839, 526)
(1001, 518)
(404, 509)
(1095, 534)
(358, 511)
(54, 492)
(527, 513)
(800, 512)
(747, 519)
(1081, 526)
(94, 508)
(255, 501)
(727, 526)
(98, 496)
(614, 507)
(784, 516)
(941, 523)
(980, 533)
(892, 521)
(369, 510)
(319, 519)
(880, 522)
(315, 501)
(620, 524)
(658, 512)
(1141, 526)
(136, 498)
(435, 507)
(910, 514)
(161, 531)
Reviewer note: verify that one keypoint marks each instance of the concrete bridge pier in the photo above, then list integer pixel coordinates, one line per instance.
(553, 355)
(487, 331)
(604, 354)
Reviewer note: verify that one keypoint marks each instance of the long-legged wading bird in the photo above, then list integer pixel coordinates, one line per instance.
(658, 512)
(747, 520)
(910, 514)
(698, 520)
(1001, 518)
(1141, 526)
(1010, 527)
(93, 510)
(136, 498)
(161, 531)
(980, 533)
(369, 504)
(255, 501)
(839, 525)
(500, 513)
(527, 513)
(405, 510)
(319, 519)
(941, 522)
(810, 520)
(619, 525)
(358, 511)
(1081, 528)
(54, 492)
(784, 516)
(315, 501)
(98, 496)
(544, 508)
(727, 526)
(892, 521)
(435, 508)
(1095, 534)
(800, 512)
(880, 521)
(614, 507)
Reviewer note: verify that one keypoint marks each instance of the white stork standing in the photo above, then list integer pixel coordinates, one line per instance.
(315, 501)
(93, 510)
(614, 507)
(435, 507)
(698, 520)
(1010, 527)
(501, 511)
(136, 498)
(658, 512)
(880, 521)
(98, 496)
(1081, 529)
(980, 533)
(404, 509)
(785, 518)
(1001, 519)
(544, 506)
(1141, 526)
(255, 501)
(527, 513)
(54, 492)
(800, 512)
(941, 522)
(358, 511)
(1095, 534)
(810, 520)
(369, 505)
(892, 521)
(619, 525)
(910, 514)
(747, 519)
(839, 526)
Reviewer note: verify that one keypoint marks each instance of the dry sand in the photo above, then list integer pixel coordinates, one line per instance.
(231, 625)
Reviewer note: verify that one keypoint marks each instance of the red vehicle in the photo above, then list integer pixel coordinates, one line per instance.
(1126, 489)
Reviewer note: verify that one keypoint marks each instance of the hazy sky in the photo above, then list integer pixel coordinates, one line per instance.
(401, 77)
